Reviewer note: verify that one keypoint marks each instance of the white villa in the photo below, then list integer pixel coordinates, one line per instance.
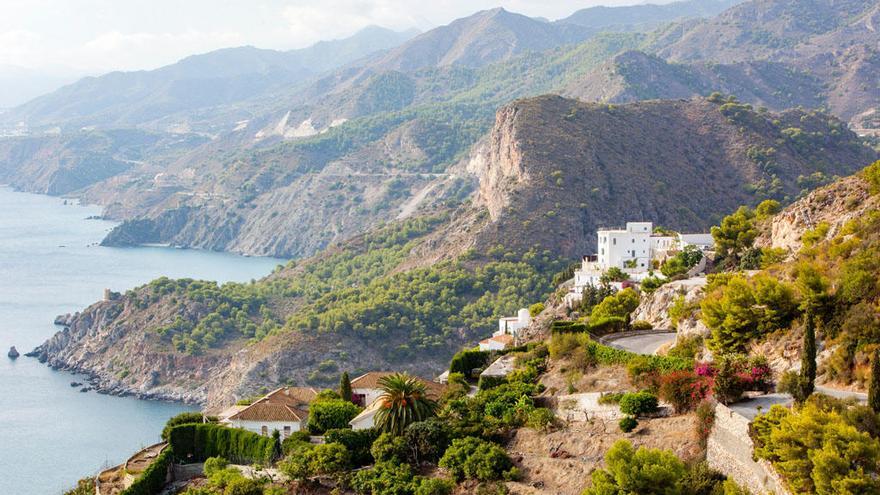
(365, 390)
(513, 324)
(497, 342)
(633, 249)
(285, 409)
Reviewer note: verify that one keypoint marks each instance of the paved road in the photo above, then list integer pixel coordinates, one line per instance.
(751, 408)
(644, 344)
(842, 394)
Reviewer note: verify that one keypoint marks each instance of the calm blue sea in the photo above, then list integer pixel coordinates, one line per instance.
(50, 264)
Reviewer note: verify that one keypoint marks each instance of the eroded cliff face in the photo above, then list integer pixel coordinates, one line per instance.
(833, 206)
(111, 343)
(498, 162)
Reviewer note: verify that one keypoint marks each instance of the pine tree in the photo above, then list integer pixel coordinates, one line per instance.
(345, 387)
(808, 359)
(874, 386)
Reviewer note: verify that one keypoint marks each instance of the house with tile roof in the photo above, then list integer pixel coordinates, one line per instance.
(497, 342)
(284, 409)
(365, 389)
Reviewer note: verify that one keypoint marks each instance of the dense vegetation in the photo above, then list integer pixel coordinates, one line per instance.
(826, 447)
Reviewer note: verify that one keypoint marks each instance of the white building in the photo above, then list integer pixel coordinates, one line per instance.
(512, 325)
(497, 342)
(367, 418)
(284, 409)
(365, 389)
(634, 249)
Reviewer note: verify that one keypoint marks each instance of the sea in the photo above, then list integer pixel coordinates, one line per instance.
(51, 434)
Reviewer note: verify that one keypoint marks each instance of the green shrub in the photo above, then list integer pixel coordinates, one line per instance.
(465, 362)
(214, 464)
(642, 471)
(871, 173)
(627, 424)
(390, 448)
(181, 419)
(293, 441)
(638, 403)
(435, 486)
(536, 309)
(197, 442)
(85, 486)
(541, 419)
(385, 478)
(427, 440)
(313, 460)
(474, 458)
(487, 382)
(642, 325)
(358, 443)
(330, 414)
(619, 305)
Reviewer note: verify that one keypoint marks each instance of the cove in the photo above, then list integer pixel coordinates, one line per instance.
(51, 264)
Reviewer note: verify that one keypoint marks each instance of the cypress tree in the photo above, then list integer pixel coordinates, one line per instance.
(808, 359)
(874, 386)
(345, 387)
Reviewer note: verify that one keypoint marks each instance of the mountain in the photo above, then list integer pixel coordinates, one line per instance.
(407, 295)
(195, 83)
(478, 40)
(645, 16)
(635, 75)
(835, 41)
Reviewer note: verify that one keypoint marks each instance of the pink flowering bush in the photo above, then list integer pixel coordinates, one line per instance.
(735, 374)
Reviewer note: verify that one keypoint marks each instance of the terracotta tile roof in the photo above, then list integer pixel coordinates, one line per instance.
(371, 381)
(298, 397)
(268, 411)
(505, 339)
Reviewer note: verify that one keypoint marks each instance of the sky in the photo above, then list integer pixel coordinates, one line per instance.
(96, 36)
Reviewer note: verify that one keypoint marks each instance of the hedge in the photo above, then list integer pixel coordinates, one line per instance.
(197, 442)
(152, 480)
(467, 361)
(610, 356)
(567, 326)
(487, 382)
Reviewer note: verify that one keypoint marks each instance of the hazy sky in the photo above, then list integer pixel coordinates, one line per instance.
(101, 35)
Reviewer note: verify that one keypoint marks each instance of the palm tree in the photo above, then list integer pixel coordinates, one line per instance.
(404, 401)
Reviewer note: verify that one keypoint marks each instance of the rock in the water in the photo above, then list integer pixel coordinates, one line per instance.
(13, 353)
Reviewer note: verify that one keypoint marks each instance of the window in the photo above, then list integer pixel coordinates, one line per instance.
(633, 241)
(614, 241)
(286, 431)
(264, 430)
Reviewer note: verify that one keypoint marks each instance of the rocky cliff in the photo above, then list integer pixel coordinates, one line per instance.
(550, 172)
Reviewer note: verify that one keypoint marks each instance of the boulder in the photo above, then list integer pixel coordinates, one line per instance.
(13, 353)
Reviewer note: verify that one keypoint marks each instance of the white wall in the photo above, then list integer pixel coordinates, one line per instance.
(257, 426)
(617, 246)
(370, 394)
(492, 345)
(364, 423)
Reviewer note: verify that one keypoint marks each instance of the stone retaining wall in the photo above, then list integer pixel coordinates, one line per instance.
(729, 450)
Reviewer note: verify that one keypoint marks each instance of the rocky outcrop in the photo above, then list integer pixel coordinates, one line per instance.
(833, 206)
(654, 307)
(111, 343)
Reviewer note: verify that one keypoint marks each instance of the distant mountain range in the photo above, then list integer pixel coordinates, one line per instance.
(259, 158)
(195, 83)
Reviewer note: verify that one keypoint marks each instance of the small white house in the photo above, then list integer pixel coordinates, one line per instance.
(367, 418)
(497, 342)
(365, 389)
(284, 409)
(266, 417)
(512, 325)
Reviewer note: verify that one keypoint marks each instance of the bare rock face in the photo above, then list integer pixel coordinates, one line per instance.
(833, 205)
(654, 307)
(498, 162)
